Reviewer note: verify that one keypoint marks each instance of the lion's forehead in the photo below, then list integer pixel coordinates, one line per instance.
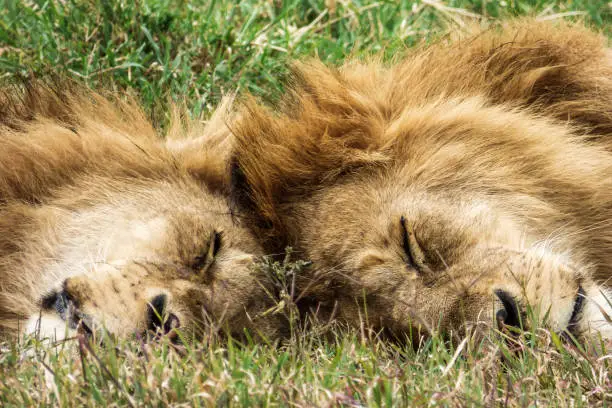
(369, 213)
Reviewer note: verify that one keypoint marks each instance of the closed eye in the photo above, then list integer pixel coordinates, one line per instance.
(216, 241)
(202, 262)
(412, 249)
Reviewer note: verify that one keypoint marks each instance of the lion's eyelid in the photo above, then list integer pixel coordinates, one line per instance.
(412, 248)
(203, 262)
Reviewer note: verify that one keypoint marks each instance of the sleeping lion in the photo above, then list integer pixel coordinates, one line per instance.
(103, 225)
(461, 186)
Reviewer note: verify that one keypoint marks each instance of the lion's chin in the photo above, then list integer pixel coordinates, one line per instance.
(594, 322)
(49, 326)
(584, 320)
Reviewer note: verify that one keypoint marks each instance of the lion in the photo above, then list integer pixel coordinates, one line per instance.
(108, 228)
(466, 185)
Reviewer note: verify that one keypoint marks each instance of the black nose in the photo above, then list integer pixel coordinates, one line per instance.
(509, 315)
(67, 309)
(159, 320)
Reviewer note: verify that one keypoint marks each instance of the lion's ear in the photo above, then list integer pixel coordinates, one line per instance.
(203, 148)
(205, 160)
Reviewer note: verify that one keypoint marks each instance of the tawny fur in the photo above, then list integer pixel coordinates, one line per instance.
(96, 206)
(495, 147)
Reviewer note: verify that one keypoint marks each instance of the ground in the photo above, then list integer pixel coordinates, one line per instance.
(193, 52)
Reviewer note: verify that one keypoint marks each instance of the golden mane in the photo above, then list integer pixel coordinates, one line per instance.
(332, 121)
(54, 131)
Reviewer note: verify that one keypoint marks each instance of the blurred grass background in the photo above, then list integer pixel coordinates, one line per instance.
(197, 50)
(194, 52)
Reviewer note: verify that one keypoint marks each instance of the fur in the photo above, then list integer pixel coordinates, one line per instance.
(493, 149)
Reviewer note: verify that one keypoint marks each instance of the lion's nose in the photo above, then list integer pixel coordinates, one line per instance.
(159, 320)
(508, 314)
(66, 303)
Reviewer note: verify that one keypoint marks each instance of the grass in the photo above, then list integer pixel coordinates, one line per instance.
(348, 369)
(194, 52)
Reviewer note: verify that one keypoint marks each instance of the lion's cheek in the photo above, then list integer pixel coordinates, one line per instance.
(596, 319)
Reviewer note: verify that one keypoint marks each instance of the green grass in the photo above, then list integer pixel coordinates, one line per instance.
(194, 52)
(197, 50)
(346, 368)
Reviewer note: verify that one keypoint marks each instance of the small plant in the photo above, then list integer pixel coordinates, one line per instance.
(284, 275)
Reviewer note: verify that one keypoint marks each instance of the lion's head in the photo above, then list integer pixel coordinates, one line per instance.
(104, 225)
(428, 199)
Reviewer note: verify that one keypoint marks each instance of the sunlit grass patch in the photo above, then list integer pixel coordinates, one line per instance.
(315, 367)
(198, 50)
